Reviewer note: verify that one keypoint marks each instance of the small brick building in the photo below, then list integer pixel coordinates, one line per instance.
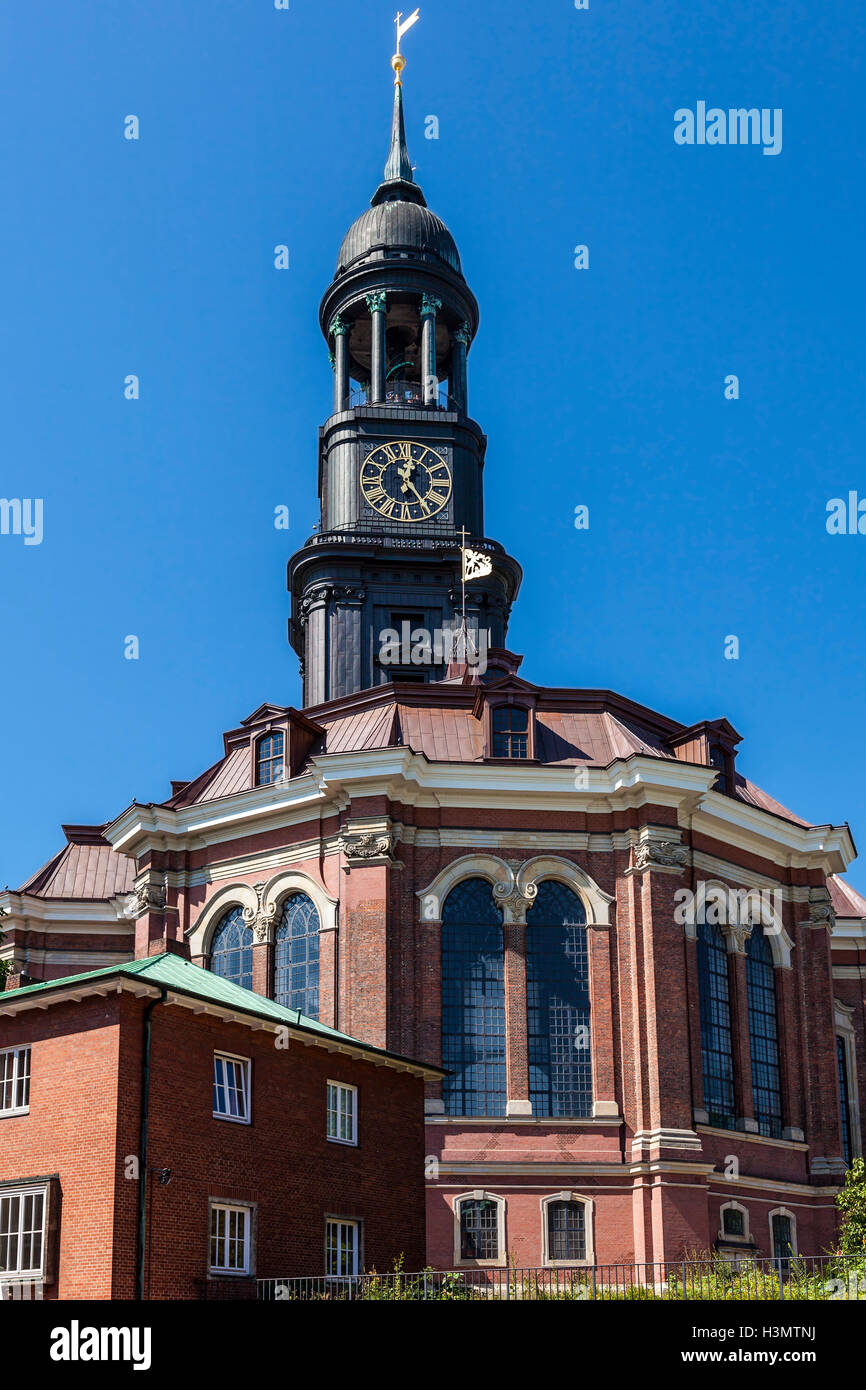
(274, 1144)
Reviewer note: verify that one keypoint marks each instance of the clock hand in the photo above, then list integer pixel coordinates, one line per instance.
(407, 484)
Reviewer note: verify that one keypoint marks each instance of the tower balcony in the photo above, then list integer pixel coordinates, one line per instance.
(406, 395)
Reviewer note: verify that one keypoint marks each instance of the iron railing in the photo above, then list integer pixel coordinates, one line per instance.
(16, 1290)
(812, 1278)
(406, 395)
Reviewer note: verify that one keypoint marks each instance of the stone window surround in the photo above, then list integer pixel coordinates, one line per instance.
(845, 1030)
(514, 890)
(480, 1196)
(589, 1218)
(261, 906)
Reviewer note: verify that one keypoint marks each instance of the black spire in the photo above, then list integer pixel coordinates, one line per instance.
(399, 180)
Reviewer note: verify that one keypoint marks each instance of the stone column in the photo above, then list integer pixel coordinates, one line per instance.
(696, 1062)
(516, 1030)
(824, 1120)
(460, 340)
(339, 330)
(604, 1102)
(376, 303)
(789, 1055)
(430, 306)
(261, 920)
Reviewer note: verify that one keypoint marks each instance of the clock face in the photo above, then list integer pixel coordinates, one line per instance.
(405, 481)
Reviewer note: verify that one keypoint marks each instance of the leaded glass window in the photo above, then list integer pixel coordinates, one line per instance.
(270, 764)
(557, 989)
(733, 1221)
(473, 1001)
(764, 1034)
(844, 1097)
(783, 1237)
(479, 1229)
(566, 1231)
(296, 960)
(231, 952)
(716, 1051)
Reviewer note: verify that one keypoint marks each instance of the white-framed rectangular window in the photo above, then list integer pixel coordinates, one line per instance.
(342, 1113)
(22, 1232)
(231, 1088)
(15, 1081)
(230, 1238)
(342, 1248)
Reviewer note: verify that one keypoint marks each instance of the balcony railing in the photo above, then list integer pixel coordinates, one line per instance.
(405, 395)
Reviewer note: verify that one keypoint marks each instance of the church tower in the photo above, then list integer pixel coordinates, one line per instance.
(400, 458)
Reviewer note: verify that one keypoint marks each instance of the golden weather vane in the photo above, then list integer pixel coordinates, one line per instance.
(398, 62)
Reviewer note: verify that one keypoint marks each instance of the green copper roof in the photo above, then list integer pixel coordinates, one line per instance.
(174, 973)
(399, 166)
(399, 179)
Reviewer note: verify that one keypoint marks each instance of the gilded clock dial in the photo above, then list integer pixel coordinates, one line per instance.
(405, 481)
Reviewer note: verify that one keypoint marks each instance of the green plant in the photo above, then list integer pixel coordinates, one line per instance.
(851, 1202)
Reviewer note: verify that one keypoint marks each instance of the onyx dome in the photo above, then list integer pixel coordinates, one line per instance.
(396, 226)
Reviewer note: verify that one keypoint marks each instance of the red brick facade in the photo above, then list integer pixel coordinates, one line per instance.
(377, 835)
(83, 1130)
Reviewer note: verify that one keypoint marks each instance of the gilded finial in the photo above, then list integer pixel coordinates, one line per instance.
(398, 62)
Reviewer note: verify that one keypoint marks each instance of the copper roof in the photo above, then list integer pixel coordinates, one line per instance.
(86, 868)
(846, 901)
(590, 728)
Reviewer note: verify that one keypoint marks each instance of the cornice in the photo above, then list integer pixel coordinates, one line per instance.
(25, 910)
(400, 774)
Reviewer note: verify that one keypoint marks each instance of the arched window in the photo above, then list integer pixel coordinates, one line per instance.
(296, 959)
(844, 1097)
(269, 760)
(716, 1051)
(473, 1001)
(764, 1033)
(231, 950)
(557, 992)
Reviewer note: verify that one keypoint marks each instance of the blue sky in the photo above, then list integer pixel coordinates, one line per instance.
(602, 387)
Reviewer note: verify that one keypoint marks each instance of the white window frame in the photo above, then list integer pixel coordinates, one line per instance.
(246, 1072)
(349, 1223)
(18, 1068)
(479, 1196)
(341, 1088)
(27, 1190)
(231, 1209)
(783, 1211)
(746, 1237)
(588, 1215)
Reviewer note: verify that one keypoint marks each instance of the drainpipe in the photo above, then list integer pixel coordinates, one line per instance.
(142, 1156)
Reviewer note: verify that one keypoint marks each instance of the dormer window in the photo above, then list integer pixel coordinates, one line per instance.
(270, 761)
(510, 731)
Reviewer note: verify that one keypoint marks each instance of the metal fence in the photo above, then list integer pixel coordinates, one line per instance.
(16, 1290)
(817, 1279)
